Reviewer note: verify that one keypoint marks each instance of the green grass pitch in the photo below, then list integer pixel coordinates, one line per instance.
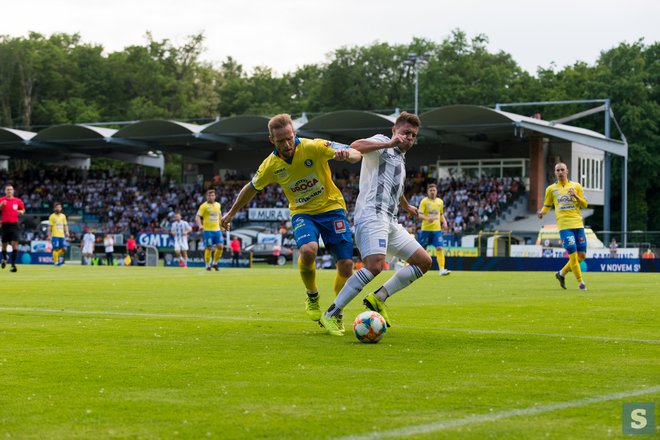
(99, 352)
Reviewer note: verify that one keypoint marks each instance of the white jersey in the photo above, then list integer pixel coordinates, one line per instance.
(382, 178)
(179, 230)
(88, 241)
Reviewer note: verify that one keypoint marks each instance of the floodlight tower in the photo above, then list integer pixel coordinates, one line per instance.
(416, 61)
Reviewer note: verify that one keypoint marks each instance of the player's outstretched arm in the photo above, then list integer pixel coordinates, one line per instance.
(372, 144)
(247, 193)
(350, 155)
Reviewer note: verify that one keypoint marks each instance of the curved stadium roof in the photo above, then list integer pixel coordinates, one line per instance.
(451, 125)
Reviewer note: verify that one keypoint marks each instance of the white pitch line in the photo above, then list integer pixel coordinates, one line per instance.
(549, 335)
(441, 425)
(265, 319)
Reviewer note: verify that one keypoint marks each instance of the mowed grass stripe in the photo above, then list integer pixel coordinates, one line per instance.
(428, 428)
(300, 321)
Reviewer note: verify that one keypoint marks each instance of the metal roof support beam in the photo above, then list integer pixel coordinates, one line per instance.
(580, 115)
(608, 145)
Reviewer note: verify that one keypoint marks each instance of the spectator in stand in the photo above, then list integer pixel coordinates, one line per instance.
(648, 255)
(235, 245)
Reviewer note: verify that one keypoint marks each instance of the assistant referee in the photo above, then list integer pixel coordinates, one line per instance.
(11, 208)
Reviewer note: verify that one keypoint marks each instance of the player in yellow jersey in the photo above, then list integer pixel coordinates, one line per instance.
(431, 212)
(58, 232)
(208, 220)
(317, 207)
(567, 198)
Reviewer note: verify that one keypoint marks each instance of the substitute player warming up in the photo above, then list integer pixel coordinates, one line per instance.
(568, 198)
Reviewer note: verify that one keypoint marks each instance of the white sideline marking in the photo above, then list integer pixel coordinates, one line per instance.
(441, 425)
(266, 319)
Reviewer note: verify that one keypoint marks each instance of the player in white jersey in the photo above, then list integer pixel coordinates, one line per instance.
(88, 242)
(179, 231)
(377, 231)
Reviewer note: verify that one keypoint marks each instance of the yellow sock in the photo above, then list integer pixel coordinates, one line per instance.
(56, 253)
(217, 255)
(440, 255)
(339, 283)
(207, 256)
(308, 275)
(567, 268)
(575, 267)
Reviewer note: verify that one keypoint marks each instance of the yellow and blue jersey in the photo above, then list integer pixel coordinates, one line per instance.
(306, 179)
(433, 208)
(210, 214)
(567, 209)
(57, 223)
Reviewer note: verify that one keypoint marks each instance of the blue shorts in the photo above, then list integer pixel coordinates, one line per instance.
(574, 240)
(430, 238)
(332, 226)
(57, 242)
(212, 238)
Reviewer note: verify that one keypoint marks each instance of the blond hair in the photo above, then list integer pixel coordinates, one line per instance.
(279, 121)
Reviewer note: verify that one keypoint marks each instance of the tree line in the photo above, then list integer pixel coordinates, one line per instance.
(56, 79)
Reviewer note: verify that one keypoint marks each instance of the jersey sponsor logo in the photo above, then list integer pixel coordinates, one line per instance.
(340, 226)
(309, 163)
(303, 200)
(304, 184)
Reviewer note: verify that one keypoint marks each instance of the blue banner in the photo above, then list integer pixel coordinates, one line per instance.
(621, 265)
(157, 240)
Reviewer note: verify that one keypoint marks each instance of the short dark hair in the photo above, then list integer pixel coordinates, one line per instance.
(409, 118)
(209, 191)
(431, 185)
(57, 204)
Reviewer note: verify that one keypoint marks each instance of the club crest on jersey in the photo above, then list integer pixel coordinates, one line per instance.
(309, 163)
(340, 226)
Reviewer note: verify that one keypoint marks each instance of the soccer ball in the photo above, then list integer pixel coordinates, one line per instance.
(369, 327)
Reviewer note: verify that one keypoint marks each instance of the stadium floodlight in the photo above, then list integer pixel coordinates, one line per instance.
(416, 61)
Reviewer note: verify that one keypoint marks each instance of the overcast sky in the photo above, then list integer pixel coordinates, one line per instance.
(285, 34)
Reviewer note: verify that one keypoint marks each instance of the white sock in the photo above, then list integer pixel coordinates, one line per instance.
(401, 279)
(353, 286)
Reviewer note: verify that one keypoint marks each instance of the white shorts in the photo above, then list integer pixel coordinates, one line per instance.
(180, 245)
(385, 238)
(88, 249)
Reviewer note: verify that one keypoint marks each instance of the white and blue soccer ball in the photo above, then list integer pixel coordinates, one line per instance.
(369, 327)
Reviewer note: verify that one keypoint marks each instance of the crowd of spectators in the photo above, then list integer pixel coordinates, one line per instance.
(133, 202)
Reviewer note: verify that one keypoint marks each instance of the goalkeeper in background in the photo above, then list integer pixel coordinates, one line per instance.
(58, 230)
(567, 197)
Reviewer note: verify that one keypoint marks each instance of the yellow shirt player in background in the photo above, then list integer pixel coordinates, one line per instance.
(208, 220)
(431, 212)
(317, 207)
(58, 232)
(568, 198)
